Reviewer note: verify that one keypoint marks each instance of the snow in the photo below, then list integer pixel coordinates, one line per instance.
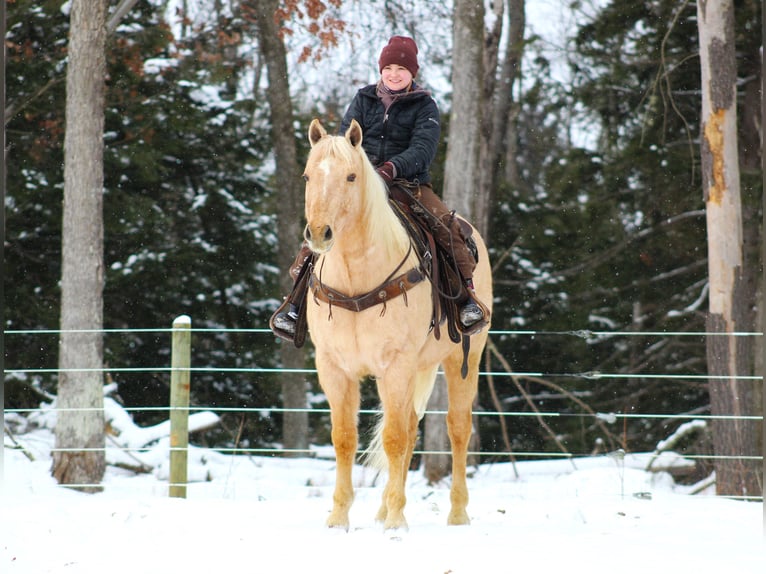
(598, 514)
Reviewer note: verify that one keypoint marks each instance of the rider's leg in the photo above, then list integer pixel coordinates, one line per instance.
(286, 319)
(451, 239)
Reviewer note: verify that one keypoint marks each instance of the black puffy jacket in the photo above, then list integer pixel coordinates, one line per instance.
(407, 136)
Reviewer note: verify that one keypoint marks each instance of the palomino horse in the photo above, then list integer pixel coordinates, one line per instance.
(361, 244)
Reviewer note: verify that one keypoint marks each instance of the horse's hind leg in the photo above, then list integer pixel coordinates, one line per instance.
(459, 427)
(343, 395)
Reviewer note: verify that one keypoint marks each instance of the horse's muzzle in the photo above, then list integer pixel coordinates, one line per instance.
(320, 240)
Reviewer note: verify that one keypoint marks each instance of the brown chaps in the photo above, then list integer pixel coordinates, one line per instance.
(446, 227)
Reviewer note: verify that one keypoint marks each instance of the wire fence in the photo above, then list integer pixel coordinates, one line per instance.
(588, 335)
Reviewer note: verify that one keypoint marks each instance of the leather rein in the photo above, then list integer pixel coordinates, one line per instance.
(391, 288)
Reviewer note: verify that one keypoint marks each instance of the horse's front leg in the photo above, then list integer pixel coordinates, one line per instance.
(343, 395)
(400, 424)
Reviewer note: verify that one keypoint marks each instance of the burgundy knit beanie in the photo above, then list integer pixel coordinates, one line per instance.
(400, 50)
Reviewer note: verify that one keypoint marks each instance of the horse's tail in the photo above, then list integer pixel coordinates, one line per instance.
(374, 456)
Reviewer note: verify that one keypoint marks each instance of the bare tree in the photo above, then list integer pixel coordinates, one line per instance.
(3, 181)
(467, 114)
(506, 106)
(732, 297)
(79, 458)
(461, 190)
(290, 205)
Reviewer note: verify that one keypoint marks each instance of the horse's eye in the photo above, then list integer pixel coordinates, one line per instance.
(305, 177)
(351, 177)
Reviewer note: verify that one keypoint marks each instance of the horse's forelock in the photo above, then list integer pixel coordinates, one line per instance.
(333, 147)
(338, 148)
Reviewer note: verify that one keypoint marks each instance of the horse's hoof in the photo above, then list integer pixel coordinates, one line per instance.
(337, 523)
(458, 518)
(393, 525)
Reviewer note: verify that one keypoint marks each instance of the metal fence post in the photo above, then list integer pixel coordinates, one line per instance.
(180, 383)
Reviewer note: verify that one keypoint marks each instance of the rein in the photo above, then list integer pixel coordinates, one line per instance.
(391, 288)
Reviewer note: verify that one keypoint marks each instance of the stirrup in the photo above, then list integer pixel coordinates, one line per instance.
(473, 315)
(283, 323)
(470, 313)
(286, 322)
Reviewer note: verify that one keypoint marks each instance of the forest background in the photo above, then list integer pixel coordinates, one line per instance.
(596, 227)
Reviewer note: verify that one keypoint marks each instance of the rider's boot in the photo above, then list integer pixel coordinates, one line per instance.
(473, 313)
(286, 320)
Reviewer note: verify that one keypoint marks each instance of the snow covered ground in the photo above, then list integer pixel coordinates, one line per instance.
(261, 514)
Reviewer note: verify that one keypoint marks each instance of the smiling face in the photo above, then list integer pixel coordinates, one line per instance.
(396, 77)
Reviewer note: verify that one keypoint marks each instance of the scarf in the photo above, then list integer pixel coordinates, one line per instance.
(388, 97)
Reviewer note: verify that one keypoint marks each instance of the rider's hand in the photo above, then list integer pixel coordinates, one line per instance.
(387, 171)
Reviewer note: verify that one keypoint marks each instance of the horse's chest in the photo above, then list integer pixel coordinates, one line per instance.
(365, 342)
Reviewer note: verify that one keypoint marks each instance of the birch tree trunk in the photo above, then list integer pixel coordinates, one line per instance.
(731, 307)
(461, 188)
(289, 209)
(82, 276)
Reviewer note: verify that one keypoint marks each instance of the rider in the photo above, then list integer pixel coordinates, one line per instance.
(400, 123)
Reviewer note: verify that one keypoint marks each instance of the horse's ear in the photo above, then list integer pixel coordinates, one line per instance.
(354, 134)
(316, 132)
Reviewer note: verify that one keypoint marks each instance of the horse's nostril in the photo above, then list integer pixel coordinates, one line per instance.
(324, 235)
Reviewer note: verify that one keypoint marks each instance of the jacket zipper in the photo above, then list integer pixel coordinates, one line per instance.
(384, 144)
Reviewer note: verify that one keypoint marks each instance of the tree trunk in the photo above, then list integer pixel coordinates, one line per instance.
(82, 276)
(289, 210)
(461, 190)
(731, 307)
(499, 141)
(466, 118)
(435, 439)
(506, 107)
(3, 183)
